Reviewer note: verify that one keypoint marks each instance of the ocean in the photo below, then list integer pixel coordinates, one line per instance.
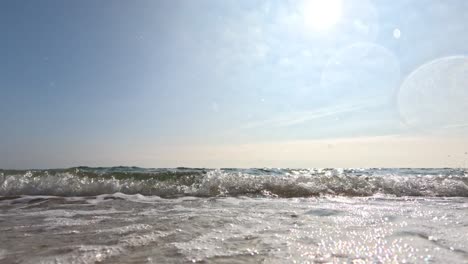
(265, 215)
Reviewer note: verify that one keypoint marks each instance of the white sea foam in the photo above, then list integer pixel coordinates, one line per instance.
(330, 229)
(281, 183)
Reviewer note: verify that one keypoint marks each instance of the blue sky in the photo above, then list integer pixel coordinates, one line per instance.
(192, 83)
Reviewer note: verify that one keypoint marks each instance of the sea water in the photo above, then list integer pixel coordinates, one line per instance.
(135, 215)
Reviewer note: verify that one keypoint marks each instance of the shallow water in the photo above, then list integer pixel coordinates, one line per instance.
(232, 226)
(122, 228)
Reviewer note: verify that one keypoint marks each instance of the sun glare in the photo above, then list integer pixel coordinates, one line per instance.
(321, 15)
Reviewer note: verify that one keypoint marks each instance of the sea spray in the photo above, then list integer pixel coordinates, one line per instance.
(84, 181)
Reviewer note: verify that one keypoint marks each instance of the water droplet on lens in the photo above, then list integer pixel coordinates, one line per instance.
(396, 33)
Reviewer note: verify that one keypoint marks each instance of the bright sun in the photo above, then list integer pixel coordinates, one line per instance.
(321, 15)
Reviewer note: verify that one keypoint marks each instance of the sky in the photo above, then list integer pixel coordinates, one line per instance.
(332, 83)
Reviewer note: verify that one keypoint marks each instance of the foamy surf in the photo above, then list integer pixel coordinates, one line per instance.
(236, 182)
(234, 216)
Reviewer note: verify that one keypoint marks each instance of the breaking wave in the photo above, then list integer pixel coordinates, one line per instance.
(85, 181)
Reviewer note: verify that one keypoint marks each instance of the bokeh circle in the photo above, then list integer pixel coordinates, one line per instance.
(435, 95)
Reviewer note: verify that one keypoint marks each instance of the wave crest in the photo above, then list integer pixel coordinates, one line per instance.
(235, 182)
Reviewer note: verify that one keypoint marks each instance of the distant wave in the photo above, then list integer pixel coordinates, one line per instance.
(85, 181)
